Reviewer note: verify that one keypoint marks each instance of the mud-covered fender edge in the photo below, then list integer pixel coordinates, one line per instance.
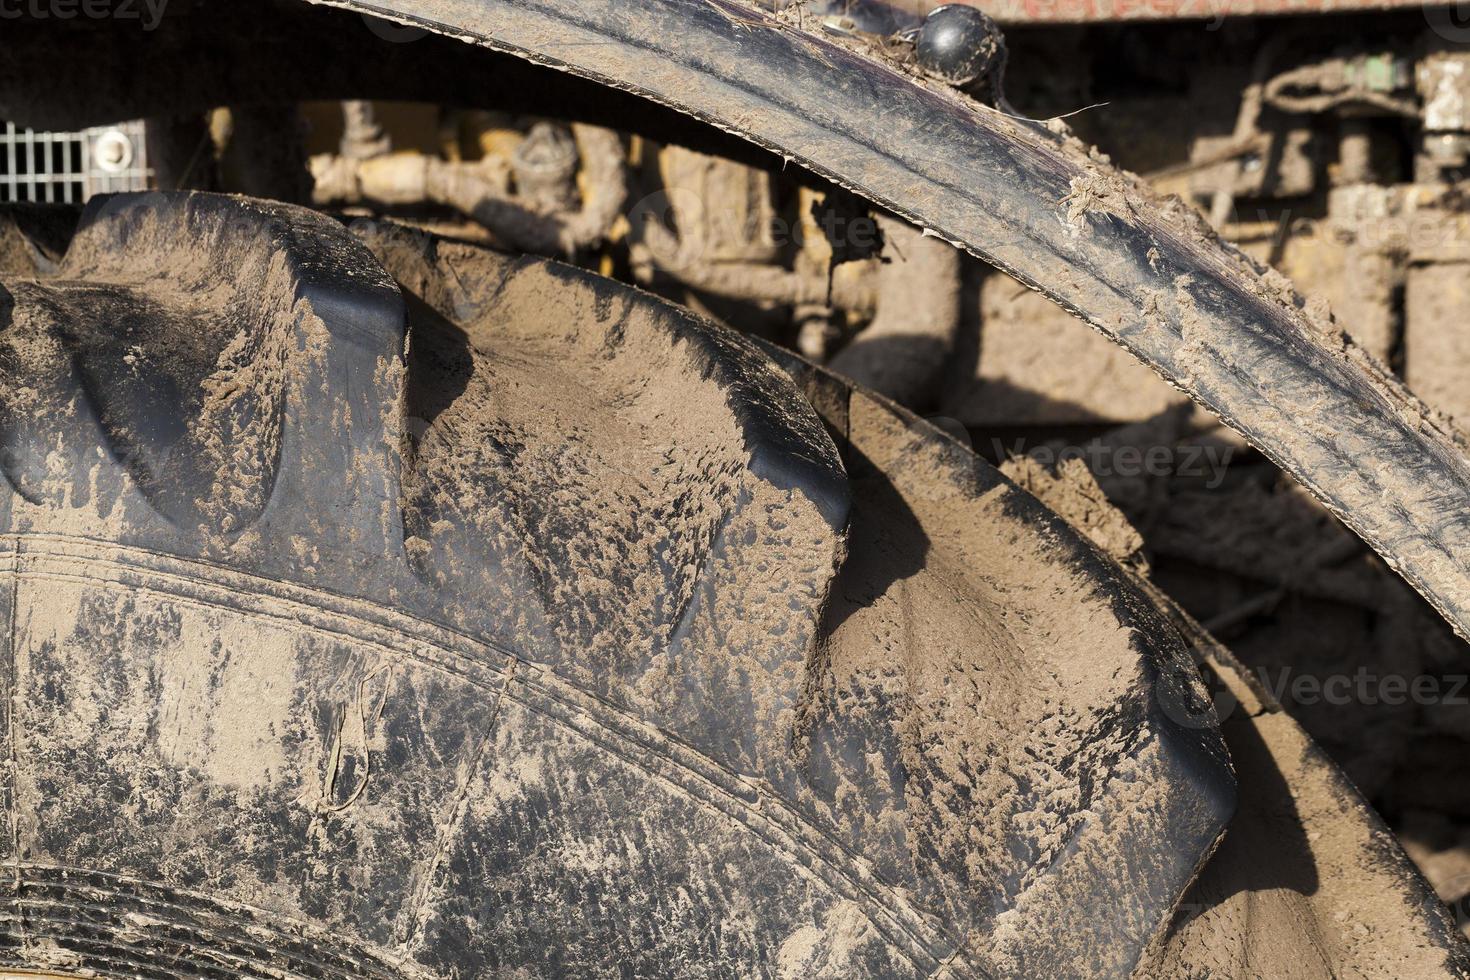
(1145, 272)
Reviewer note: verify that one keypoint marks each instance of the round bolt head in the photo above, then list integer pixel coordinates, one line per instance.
(112, 151)
(958, 44)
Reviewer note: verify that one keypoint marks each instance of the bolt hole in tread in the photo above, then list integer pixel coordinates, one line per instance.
(519, 621)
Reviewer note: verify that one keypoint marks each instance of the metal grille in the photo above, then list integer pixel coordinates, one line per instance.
(72, 167)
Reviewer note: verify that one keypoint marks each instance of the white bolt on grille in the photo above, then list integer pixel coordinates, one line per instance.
(69, 168)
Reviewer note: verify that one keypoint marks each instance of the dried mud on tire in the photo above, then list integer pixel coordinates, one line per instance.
(384, 606)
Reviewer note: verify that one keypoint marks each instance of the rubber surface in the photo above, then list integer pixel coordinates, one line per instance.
(521, 621)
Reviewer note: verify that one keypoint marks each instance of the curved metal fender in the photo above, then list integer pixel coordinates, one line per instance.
(1147, 273)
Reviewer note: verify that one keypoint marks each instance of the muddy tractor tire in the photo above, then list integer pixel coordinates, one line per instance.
(384, 606)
